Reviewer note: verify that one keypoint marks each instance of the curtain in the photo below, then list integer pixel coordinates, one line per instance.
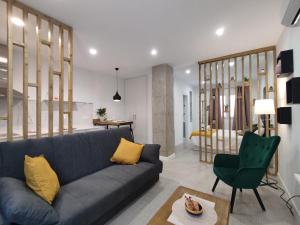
(238, 109)
(215, 106)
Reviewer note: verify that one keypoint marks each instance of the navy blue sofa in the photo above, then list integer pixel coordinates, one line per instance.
(93, 189)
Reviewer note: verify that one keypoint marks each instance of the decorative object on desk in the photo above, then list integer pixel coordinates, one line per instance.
(226, 108)
(117, 97)
(101, 112)
(264, 107)
(193, 207)
(271, 89)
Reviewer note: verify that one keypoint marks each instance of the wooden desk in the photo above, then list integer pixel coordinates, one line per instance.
(221, 207)
(113, 123)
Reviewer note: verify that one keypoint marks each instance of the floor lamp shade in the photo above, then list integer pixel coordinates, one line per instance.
(264, 107)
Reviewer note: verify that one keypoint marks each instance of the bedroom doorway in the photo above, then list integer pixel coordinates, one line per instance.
(185, 115)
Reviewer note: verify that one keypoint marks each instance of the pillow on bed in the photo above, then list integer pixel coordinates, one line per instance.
(18, 204)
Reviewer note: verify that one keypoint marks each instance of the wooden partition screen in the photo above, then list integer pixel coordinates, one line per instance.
(229, 86)
(64, 41)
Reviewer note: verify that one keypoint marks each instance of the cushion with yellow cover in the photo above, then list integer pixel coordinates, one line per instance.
(127, 152)
(41, 178)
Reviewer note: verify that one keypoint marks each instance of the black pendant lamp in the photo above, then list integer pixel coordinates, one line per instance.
(117, 97)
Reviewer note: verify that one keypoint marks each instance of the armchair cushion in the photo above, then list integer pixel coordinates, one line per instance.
(225, 174)
(227, 161)
(18, 204)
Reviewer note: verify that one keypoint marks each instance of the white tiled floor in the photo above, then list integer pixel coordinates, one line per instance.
(186, 170)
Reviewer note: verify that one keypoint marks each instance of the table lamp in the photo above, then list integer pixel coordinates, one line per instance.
(264, 107)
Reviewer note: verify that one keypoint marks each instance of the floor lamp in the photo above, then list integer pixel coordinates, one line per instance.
(265, 108)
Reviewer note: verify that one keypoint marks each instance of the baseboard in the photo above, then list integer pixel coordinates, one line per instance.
(163, 158)
(297, 214)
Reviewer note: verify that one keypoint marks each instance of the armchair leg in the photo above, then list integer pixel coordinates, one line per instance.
(259, 200)
(215, 185)
(232, 199)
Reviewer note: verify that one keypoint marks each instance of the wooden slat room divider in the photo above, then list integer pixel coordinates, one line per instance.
(37, 84)
(254, 70)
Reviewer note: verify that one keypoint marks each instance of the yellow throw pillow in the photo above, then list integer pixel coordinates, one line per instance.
(127, 152)
(41, 178)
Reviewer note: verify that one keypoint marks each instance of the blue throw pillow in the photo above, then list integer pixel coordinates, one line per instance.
(18, 204)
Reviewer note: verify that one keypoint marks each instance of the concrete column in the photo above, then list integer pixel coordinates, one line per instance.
(163, 108)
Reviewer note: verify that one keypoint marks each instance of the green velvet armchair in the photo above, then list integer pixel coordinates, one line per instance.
(246, 170)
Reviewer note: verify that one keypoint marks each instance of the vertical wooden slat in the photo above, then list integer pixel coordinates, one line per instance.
(205, 111)
(25, 76)
(211, 111)
(250, 93)
(61, 81)
(9, 72)
(223, 110)
(267, 128)
(70, 82)
(50, 80)
(38, 80)
(243, 96)
(229, 105)
(275, 105)
(217, 106)
(200, 116)
(236, 100)
(258, 91)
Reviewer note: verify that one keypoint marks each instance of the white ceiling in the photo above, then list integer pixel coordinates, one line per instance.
(183, 31)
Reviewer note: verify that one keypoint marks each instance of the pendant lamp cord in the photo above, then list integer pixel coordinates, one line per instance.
(117, 78)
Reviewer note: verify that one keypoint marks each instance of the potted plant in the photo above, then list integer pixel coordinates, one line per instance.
(101, 112)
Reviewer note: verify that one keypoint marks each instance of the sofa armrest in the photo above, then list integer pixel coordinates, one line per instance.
(150, 153)
(20, 205)
(2, 220)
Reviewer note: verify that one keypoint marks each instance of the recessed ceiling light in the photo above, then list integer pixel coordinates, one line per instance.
(153, 52)
(188, 71)
(3, 59)
(17, 21)
(231, 64)
(220, 31)
(93, 51)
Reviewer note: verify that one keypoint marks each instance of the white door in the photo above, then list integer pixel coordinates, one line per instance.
(136, 106)
(185, 115)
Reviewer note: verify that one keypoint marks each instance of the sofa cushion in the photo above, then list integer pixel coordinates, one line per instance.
(127, 152)
(150, 153)
(71, 156)
(84, 201)
(41, 178)
(20, 205)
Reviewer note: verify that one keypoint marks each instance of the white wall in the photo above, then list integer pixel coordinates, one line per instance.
(99, 90)
(289, 150)
(182, 88)
(138, 107)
